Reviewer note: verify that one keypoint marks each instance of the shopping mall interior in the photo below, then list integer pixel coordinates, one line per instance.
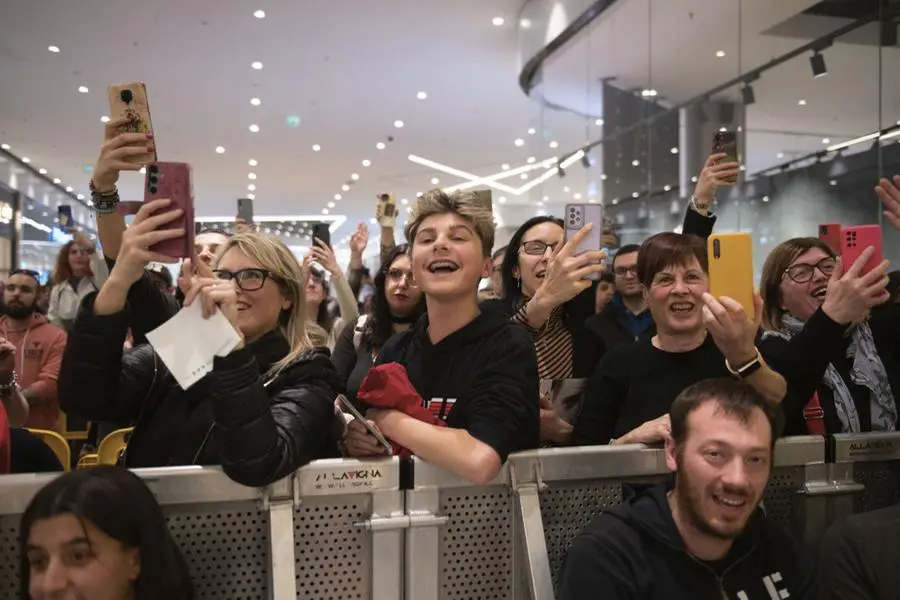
(314, 108)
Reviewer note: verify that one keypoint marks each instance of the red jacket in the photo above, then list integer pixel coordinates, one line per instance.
(39, 351)
(4, 441)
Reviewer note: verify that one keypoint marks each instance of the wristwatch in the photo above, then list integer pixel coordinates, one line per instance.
(748, 369)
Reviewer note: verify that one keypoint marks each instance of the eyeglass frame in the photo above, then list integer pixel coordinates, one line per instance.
(235, 277)
(541, 242)
(812, 269)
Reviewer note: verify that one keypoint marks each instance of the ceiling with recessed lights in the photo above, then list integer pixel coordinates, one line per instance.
(310, 108)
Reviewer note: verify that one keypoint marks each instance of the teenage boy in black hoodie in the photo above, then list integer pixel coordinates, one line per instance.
(703, 534)
(477, 371)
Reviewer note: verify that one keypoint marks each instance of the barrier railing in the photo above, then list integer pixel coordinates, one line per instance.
(349, 529)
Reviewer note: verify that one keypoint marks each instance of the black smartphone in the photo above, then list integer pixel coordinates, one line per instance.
(64, 218)
(725, 142)
(245, 210)
(322, 232)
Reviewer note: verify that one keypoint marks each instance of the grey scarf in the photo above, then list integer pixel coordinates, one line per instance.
(867, 371)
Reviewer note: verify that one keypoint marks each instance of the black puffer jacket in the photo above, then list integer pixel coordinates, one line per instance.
(259, 430)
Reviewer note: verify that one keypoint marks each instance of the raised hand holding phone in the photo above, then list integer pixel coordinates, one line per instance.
(731, 328)
(850, 296)
(569, 274)
(118, 152)
(386, 211)
(718, 171)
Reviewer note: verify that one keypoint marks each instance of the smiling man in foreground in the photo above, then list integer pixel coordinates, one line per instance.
(475, 371)
(703, 534)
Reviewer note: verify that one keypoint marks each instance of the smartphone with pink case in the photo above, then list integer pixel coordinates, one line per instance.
(173, 181)
(855, 240)
(830, 233)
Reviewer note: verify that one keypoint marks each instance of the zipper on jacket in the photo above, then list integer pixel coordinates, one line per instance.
(720, 579)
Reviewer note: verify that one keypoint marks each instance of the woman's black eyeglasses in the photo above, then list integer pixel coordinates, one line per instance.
(537, 247)
(248, 280)
(803, 273)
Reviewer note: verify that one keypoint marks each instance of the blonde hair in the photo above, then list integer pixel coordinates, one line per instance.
(317, 334)
(467, 205)
(273, 256)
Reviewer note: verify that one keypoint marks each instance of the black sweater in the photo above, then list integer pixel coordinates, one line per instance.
(482, 378)
(858, 557)
(634, 552)
(803, 361)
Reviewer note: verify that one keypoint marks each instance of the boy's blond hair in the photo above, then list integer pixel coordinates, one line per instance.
(467, 205)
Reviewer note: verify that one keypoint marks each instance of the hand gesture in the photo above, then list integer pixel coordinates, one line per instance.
(650, 432)
(360, 443)
(553, 428)
(324, 255)
(144, 232)
(360, 239)
(7, 358)
(889, 194)
(567, 275)
(732, 330)
(114, 152)
(214, 293)
(713, 176)
(850, 295)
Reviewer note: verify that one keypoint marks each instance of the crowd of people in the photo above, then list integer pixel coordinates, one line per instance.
(451, 376)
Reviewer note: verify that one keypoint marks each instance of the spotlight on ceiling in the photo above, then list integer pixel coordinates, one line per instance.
(586, 159)
(560, 171)
(817, 63)
(748, 95)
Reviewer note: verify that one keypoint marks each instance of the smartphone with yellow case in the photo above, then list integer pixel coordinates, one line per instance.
(731, 268)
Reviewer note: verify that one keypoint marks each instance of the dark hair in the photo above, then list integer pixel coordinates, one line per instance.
(324, 318)
(893, 286)
(33, 274)
(63, 271)
(213, 230)
(734, 397)
(626, 249)
(663, 250)
(776, 264)
(379, 325)
(607, 277)
(499, 252)
(120, 505)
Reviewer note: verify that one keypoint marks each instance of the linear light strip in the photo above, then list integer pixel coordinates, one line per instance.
(551, 172)
(545, 164)
(475, 179)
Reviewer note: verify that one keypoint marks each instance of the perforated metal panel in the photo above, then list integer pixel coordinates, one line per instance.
(333, 556)
(9, 557)
(476, 545)
(882, 481)
(226, 548)
(781, 494)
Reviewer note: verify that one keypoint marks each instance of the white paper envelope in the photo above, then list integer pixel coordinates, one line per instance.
(187, 343)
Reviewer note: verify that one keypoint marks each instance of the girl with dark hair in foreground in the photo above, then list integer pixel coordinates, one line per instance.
(99, 534)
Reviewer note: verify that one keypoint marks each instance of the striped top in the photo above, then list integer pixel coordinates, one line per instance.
(552, 343)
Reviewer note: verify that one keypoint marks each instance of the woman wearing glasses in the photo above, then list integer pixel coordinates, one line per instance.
(265, 410)
(821, 337)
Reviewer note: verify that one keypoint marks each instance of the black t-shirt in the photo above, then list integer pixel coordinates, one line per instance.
(638, 383)
(352, 362)
(482, 378)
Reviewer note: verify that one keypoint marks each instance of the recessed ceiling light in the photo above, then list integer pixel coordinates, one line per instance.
(324, 211)
(252, 162)
(801, 102)
(667, 188)
(780, 155)
(524, 175)
(42, 171)
(367, 163)
(292, 121)
(723, 129)
(83, 89)
(649, 93)
(599, 122)
(519, 142)
(53, 49)
(604, 176)
(251, 187)
(567, 189)
(504, 167)
(254, 128)
(419, 194)
(104, 119)
(255, 101)
(80, 196)
(422, 95)
(260, 14)
(826, 140)
(531, 159)
(251, 196)
(545, 199)
(380, 145)
(554, 144)
(337, 196)
(577, 196)
(502, 199)
(498, 21)
(373, 220)
(694, 179)
(251, 175)
(354, 176)
(220, 149)
(404, 201)
(635, 195)
(57, 180)
(345, 187)
(525, 23)
(635, 163)
(833, 182)
(398, 124)
(532, 131)
(331, 205)
(69, 188)
(316, 147)
(674, 150)
(720, 54)
(26, 160)
(4, 146)
(257, 65)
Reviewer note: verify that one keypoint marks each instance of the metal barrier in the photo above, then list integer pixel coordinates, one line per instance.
(346, 529)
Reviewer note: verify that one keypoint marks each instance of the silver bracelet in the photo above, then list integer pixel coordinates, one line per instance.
(12, 384)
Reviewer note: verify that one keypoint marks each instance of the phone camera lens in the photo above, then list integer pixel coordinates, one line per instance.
(154, 169)
(127, 96)
(152, 189)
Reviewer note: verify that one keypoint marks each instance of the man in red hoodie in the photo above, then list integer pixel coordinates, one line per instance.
(39, 349)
